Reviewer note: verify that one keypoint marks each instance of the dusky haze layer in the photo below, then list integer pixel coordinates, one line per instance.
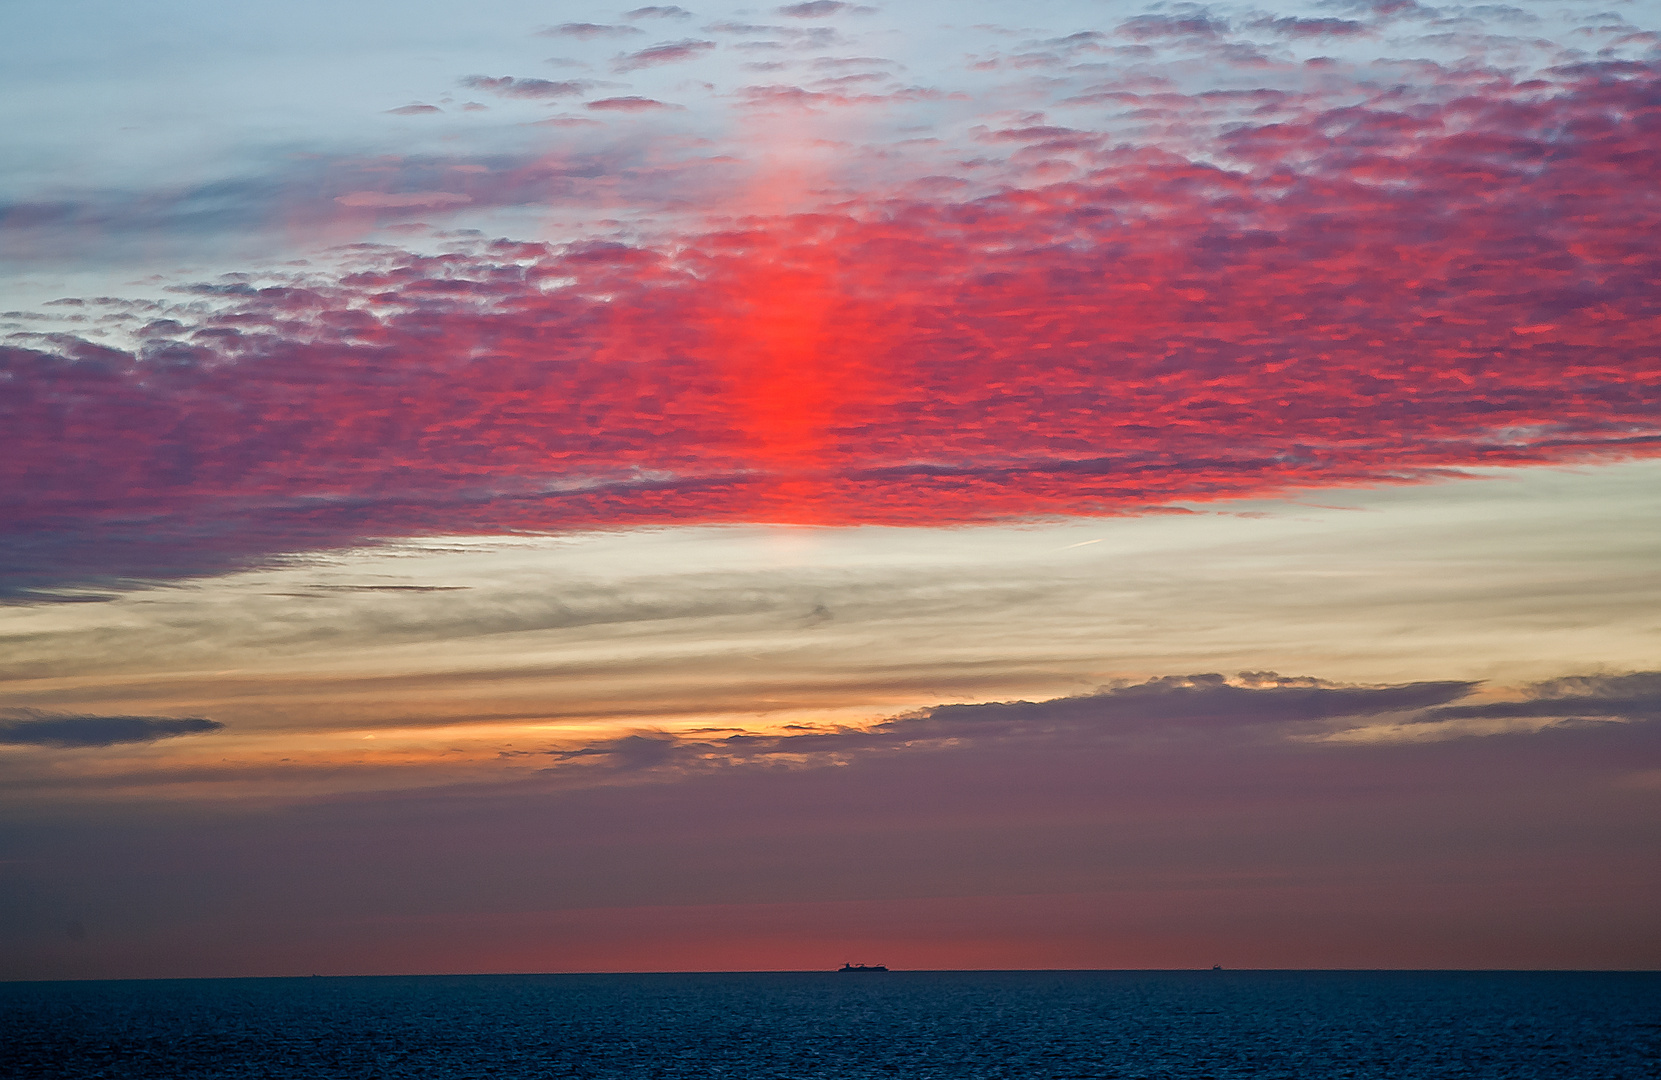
(1042, 485)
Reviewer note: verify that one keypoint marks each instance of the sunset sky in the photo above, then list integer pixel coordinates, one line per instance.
(551, 487)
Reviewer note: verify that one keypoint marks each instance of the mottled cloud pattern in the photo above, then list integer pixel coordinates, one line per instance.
(1315, 292)
(589, 30)
(1634, 697)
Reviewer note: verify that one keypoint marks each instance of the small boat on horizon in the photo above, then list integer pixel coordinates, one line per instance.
(861, 967)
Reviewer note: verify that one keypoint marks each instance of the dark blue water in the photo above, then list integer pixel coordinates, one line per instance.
(947, 1025)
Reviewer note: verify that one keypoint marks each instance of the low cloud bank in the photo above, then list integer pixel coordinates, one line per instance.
(1254, 712)
(1314, 287)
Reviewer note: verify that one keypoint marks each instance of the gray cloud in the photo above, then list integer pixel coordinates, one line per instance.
(1193, 24)
(1209, 700)
(27, 727)
(1251, 705)
(668, 52)
(629, 753)
(1252, 709)
(629, 104)
(818, 9)
(1635, 696)
(1291, 26)
(589, 30)
(508, 86)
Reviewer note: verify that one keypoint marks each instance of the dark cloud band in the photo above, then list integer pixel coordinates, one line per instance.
(1258, 714)
(71, 731)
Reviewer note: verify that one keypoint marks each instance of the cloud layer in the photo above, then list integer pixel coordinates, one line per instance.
(849, 267)
(1176, 822)
(1265, 289)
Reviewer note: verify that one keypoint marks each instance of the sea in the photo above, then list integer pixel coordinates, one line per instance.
(1035, 1025)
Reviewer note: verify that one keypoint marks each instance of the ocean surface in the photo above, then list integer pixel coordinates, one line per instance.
(946, 1025)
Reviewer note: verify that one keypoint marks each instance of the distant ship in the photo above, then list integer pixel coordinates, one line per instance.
(862, 967)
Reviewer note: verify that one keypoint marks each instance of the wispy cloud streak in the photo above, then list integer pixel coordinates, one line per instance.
(28, 727)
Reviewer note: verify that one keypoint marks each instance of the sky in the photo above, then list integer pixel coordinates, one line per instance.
(1101, 484)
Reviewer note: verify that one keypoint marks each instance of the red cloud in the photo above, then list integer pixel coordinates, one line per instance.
(1368, 295)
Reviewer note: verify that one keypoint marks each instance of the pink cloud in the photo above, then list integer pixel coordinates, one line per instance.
(1144, 27)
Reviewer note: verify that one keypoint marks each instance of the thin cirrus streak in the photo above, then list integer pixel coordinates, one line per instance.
(1347, 294)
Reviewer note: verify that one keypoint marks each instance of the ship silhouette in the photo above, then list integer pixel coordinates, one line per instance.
(861, 967)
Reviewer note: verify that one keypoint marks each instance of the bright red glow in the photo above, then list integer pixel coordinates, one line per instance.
(1370, 295)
